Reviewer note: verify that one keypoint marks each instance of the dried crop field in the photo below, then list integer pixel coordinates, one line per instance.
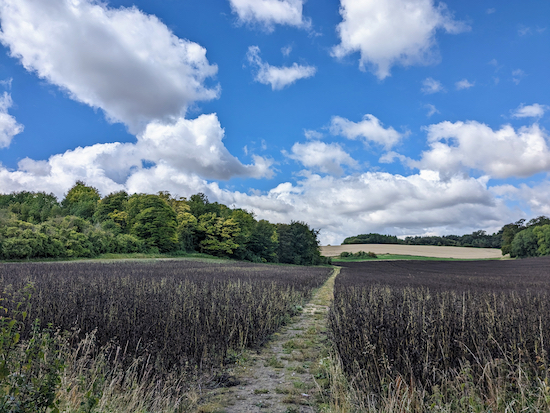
(419, 250)
(444, 336)
(181, 315)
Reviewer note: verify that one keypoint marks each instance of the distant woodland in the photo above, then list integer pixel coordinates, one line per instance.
(519, 239)
(36, 225)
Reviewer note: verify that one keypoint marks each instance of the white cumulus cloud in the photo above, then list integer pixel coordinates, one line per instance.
(277, 77)
(378, 202)
(196, 147)
(138, 72)
(8, 125)
(392, 32)
(503, 153)
(270, 12)
(536, 197)
(370, 129)
(323, 157)
(123, 61)
(191, 150)
(530, 111)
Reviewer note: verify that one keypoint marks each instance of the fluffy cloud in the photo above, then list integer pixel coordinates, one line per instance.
(463, 84)
(323, 157)
(430, 86)
(196, 147)
(503, 153)
(277, 77)
(530, 111)
(91, 164)
(122, 61)
(8, 125)
(378, 202)
(270, 12)
(392, 32)
(535, 197)
(370, 129)
(367, 202)
(138, 72)
(186, 152)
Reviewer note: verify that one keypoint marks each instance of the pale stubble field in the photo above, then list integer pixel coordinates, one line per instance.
(419, 250)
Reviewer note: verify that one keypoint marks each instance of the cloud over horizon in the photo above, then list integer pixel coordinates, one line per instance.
(437, 199)
(320, 149)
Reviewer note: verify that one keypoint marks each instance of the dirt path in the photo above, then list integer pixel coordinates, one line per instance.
(285, 376)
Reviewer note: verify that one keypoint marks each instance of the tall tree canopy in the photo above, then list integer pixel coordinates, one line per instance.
(35, 225)
(81, 200)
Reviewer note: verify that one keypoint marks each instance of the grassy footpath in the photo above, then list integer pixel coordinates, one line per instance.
(287, 375)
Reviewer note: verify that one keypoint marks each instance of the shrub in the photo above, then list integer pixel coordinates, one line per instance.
(30, 371)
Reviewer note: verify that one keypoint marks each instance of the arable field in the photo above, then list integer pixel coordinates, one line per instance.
(419, 250)
(423, 336)
(145, 332)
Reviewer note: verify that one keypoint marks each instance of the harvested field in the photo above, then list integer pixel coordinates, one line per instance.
(420, 250)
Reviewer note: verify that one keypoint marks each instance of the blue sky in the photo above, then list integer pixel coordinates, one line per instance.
(405, 117)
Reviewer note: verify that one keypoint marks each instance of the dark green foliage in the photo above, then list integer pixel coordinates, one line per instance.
(31, 226)
(298, 244)
(246, 223)
(111, 210)
(425, 321)
(263, 242)
(200, 205)
(358, 255)
(153, 221)
(543, 238)
(183, 314)
(128, 244)
(218, 235)
(33, 207)
(371, 238)
(479, 239)
(81, 200)
(525, 240)
(29, 369)
(525, 244)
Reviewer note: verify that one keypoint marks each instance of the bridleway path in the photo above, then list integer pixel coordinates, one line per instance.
(285, 376)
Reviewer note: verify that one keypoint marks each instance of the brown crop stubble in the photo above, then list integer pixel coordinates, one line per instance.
(183, 315)
(455, 334)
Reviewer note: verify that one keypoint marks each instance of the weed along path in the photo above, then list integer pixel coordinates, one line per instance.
(285, 376)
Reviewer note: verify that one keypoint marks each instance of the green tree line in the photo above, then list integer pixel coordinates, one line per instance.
(83, 224)
(519, 239)
(479, 239)
(527, 239)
